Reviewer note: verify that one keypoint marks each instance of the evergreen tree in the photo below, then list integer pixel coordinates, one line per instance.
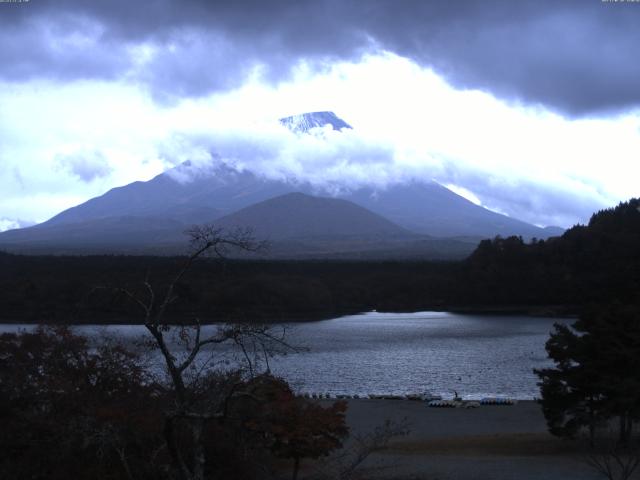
(597, 373)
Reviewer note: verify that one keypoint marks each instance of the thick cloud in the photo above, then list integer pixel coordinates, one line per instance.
(576, 56)
(86, 165)
(10, 224)
(340, 161)
(332, 160)
(527, 162)
(564, 203)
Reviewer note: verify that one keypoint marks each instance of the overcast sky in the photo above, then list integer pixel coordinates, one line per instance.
(531, 108)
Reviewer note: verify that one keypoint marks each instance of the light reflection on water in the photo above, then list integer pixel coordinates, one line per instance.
(390, 353)
(387, 353)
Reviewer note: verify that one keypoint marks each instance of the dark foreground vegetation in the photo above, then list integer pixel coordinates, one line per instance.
(592, 395)
(596, 263)
(72, 411)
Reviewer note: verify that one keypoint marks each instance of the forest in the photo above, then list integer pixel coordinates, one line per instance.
(594, 263)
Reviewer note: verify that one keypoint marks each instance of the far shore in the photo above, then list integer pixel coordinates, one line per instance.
(545, 311)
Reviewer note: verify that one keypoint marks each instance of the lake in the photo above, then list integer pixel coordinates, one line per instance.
(402, 353)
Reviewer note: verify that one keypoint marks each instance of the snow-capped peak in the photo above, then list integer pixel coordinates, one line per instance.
(306, 121)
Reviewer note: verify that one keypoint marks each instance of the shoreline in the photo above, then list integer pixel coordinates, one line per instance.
(489, 442)
(542, 311)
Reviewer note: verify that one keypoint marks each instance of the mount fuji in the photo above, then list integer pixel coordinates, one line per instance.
(149, 216)
(306, 121)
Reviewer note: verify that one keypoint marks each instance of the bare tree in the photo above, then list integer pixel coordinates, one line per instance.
(196, 399)
(612, 459)
(348, 464)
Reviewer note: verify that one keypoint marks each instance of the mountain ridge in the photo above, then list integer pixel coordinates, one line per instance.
(204, 193)
(422, 207)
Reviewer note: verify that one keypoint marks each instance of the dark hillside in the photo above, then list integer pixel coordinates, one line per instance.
(599, 262)
(296, 215)
(596, 263)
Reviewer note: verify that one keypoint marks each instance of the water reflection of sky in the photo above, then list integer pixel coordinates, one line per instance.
(475, 355)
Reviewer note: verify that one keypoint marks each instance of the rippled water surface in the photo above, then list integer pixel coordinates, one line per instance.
(390, 353)
(475, 355)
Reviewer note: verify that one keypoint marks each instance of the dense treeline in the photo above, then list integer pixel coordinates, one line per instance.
(61, 289)
(597, 263)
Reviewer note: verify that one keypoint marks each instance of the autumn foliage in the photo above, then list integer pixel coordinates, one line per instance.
(69, 409)
(293, 427)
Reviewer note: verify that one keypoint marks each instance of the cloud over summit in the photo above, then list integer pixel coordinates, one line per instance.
(531, 107)
(335, 161)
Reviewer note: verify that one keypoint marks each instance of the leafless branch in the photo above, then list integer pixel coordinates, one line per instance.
(192, 404)
(613, 460)
(615, 464)
(347, 465)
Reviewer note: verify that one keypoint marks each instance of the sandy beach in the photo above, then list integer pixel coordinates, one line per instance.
(485, 443)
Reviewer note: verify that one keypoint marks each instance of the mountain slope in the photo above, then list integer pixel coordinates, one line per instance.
(297, 226)
(297, 215)
(303, 226)
(123, 234)
(144, 213)
(422, 207)
(186, 194)
(431, 209)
